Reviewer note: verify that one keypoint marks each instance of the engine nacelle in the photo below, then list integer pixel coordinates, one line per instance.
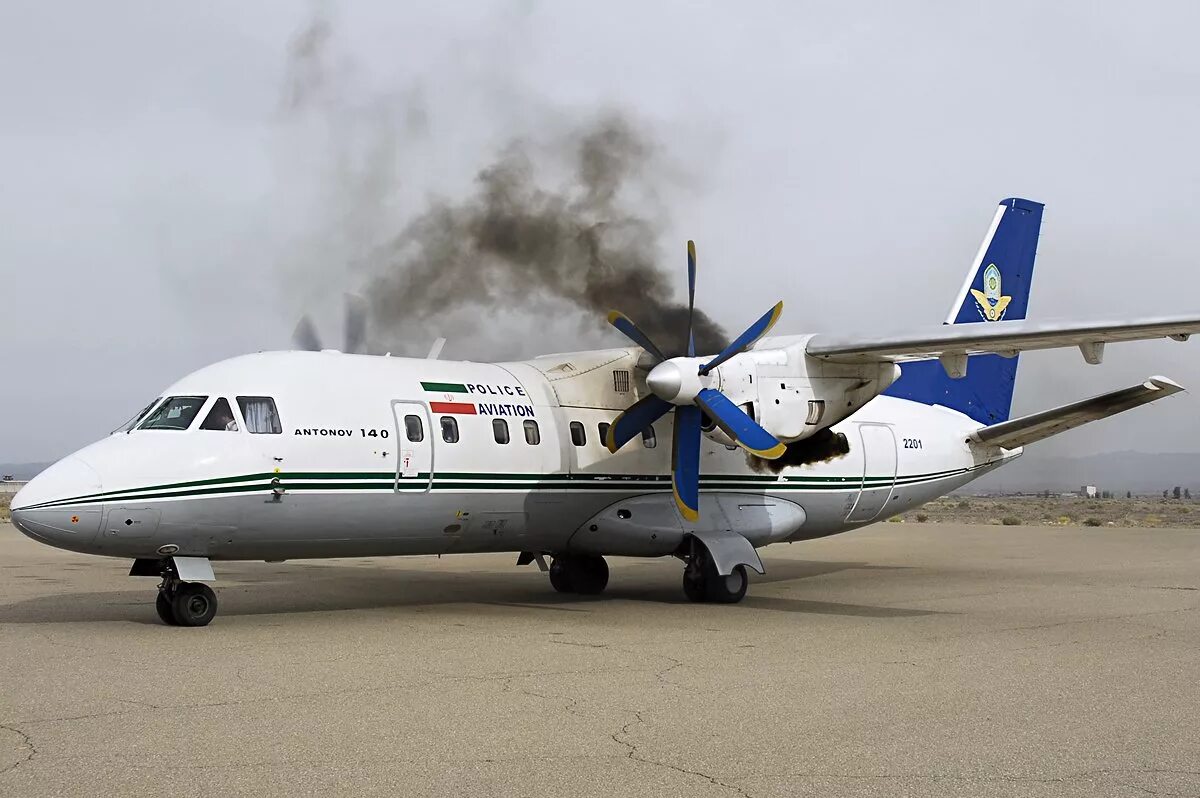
(793, 395)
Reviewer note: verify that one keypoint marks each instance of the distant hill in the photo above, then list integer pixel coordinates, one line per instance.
(22, 471)
(1118, 472)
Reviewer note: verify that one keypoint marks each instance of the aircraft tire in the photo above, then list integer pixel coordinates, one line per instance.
(165, 613)
(693, 586)
(560, 575)
(589, 574)
(725, 589)
(194, 604)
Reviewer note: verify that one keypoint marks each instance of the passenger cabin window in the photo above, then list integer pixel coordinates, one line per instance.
(500, 430)
(176, 413)
(220, 417)
(648, 439)
(603, 430)
(260, 415)
(449, 429)
(578, 434)
(133, 422)
(414, 430)
(533, 435)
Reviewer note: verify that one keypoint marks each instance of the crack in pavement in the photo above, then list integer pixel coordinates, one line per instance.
(26, 742)
(633, 754)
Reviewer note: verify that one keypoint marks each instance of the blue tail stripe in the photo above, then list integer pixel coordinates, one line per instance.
(998, 289)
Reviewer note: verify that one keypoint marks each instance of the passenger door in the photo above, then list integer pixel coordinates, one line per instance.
(879, 471)
(414, 446)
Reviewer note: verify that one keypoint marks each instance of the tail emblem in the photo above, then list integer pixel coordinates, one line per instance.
(990, 302)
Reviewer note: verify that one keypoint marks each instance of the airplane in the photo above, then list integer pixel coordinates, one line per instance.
(632, 451)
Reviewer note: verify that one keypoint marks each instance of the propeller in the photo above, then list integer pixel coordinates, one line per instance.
(682, 385)
(354, 333)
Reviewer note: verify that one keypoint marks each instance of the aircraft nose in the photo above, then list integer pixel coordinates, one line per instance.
(54, 507)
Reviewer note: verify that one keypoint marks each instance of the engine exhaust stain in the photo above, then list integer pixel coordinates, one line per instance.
(821, 447)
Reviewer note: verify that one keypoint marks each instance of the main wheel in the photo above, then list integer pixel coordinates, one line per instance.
(194, 604)
(589, 574)
(726, 589)
(693, 585)
(560, 575)
(163, 605)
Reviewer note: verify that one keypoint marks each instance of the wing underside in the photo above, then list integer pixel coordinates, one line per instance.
(1028, 429)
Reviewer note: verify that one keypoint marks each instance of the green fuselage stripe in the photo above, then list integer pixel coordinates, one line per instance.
(466, 481)
(444, 387)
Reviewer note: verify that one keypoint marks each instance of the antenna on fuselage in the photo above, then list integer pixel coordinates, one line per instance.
(435, 351)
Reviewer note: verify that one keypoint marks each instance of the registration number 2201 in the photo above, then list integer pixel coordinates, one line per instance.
(912, 443)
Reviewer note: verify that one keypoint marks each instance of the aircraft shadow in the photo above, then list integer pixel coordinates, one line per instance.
(260, 590)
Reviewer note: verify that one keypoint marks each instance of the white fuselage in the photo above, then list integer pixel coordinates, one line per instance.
(351, 475)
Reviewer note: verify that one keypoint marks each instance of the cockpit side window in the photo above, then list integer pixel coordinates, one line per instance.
(220, 417)
(176, 413)
(260, 415)
(133, 422)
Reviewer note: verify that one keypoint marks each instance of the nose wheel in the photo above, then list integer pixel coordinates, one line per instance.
(185, 603)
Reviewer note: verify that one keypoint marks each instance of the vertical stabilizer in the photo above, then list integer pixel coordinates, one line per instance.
(996, 288)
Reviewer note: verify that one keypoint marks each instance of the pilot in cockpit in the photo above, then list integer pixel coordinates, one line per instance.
(220, 418)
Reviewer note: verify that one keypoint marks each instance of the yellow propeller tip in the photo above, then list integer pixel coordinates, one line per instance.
(688, 513)
(774, 453)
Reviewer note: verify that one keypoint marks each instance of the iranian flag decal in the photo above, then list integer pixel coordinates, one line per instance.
(460, 408)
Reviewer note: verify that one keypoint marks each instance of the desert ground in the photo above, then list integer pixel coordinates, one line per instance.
(923, 659)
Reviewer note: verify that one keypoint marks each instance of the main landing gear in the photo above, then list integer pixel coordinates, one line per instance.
(701, 582)
(586, 574)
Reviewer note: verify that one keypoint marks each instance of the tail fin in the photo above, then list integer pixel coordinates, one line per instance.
(996, 287)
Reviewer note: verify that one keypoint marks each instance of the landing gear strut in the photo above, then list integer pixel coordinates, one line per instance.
(701, 582)
(586, 574)
(182, 603)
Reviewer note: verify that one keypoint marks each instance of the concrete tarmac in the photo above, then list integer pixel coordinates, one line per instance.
(930, 660)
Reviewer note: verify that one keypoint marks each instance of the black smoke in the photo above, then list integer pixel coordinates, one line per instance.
(516, 241)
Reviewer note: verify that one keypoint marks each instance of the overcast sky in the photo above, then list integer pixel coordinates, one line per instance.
(163, 207)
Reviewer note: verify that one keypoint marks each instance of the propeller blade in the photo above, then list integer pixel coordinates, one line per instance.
(738, 425)
(691, 340)
(305, 336)
(685, 461)
(622, 323)
(356, 325)
(747, 339)
(636, 418)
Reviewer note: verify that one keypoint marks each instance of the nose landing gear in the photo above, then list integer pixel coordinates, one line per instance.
(181, 602)
(185, 603)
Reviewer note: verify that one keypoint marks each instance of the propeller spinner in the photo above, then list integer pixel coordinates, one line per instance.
(682, 385)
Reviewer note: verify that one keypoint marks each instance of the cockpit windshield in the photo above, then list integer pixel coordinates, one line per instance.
(133, 422)
(176, 413)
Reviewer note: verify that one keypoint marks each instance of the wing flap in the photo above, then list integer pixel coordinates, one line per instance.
(1000, 337)
(1028, 429)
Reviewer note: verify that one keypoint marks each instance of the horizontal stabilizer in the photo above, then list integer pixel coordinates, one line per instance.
(1000, 337)
(1028, 429)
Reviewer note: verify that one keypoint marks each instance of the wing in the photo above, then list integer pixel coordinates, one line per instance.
(1000, 337)
(1035, 427)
